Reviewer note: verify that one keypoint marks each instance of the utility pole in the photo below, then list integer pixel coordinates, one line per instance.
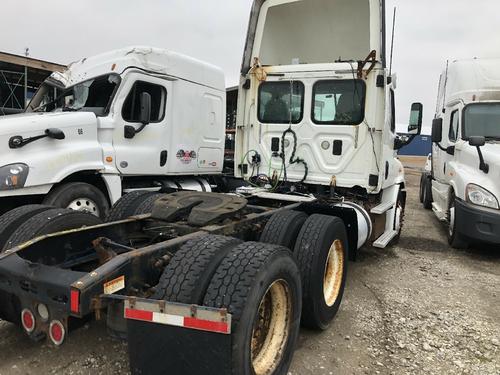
(26, 53)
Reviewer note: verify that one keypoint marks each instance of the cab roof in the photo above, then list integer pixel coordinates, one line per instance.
(152, 60)
(286, 32)
(470, 80)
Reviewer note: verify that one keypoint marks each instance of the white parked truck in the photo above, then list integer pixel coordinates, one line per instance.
(316, 110)
(462, 185)
(132, 118)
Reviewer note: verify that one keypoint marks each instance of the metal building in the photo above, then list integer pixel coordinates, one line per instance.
(20, 77)
(421, 146)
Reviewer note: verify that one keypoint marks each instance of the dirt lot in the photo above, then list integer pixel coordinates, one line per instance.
(417, 308)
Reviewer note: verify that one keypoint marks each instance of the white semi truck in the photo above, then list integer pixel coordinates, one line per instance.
(135, 118)
(461, 184)
(220, 282)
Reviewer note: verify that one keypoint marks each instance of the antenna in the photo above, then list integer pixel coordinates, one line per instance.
(445, 85)
(392, 42)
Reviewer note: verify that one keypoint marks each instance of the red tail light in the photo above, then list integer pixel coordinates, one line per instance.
(75, 301)
(28, 320)
(57, 332)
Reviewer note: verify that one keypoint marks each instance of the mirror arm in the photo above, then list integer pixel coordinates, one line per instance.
(130, 131)
(482, 164)
(441, 147)
(18, 141)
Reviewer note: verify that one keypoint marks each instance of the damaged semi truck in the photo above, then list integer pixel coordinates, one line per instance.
(136, 118)
(220, 282)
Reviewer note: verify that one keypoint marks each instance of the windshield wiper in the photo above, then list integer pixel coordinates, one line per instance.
(69, 109)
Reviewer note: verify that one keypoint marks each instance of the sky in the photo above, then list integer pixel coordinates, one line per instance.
(428, 32)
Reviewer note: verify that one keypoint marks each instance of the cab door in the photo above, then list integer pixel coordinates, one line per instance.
(146, 152)
(443, 157)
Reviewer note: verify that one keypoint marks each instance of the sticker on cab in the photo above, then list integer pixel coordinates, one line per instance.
(115, 285)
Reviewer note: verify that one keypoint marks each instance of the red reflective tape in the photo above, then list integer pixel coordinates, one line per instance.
(75, 301)
(206, 325)
(146, 316)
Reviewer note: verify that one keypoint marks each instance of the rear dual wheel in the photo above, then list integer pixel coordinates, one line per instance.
(257, 283)
(321, 253)
(319, 244)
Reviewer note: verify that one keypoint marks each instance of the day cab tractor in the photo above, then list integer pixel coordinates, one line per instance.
(220, 282)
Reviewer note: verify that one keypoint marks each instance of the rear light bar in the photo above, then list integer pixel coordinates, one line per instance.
(75, 301)
(190, 317)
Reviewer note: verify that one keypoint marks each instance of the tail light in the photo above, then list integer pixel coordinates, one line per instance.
(75, 301)
(57, 332)
(28, 320)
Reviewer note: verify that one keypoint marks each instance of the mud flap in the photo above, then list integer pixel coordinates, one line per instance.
(173, 339)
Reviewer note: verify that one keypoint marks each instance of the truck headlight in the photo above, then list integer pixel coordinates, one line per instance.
(13, 176)
(481, 197)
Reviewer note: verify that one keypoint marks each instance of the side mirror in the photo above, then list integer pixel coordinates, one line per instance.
(145, 113)
(477, 141)
(416, 116)
(55, 133)
(437, 130)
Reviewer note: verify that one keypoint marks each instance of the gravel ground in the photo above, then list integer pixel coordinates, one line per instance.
(417, 308)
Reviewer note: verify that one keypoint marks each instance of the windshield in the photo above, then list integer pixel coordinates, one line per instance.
(482, 120)
(93, 95)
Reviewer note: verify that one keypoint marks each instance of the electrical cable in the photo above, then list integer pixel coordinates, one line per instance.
(293, 158)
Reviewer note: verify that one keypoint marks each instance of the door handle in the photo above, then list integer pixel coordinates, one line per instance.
(163, 158)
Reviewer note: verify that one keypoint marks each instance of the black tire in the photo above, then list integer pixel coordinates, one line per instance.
(427, 193)
(455, 238)
(189, 272)
(317, 238)
(243, 284)
(127, 205)
(11, 220)
(50, 221)
(401, 204)
(146, 206)
(422, 186)
(89, 198)
(283, 228)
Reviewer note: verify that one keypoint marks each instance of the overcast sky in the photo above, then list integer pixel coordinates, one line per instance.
(428, 33)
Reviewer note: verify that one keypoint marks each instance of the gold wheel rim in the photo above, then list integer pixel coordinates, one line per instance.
(334, 272)
(271, 328)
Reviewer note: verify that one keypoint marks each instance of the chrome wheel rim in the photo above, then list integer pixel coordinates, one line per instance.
(271, 329)
(84, 205)
(334, 272)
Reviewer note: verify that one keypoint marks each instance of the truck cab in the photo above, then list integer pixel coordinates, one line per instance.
(319, 117)
(133, 118)
(462, 186)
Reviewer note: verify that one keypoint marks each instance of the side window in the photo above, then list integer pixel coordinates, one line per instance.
(454, 123)
(393, 112)
(281, 102)
(132, 106)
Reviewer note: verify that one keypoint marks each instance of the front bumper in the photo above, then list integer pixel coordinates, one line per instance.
(478, 223)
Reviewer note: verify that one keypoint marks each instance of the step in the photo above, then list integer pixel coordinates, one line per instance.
(384, 239)
(382, 208)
